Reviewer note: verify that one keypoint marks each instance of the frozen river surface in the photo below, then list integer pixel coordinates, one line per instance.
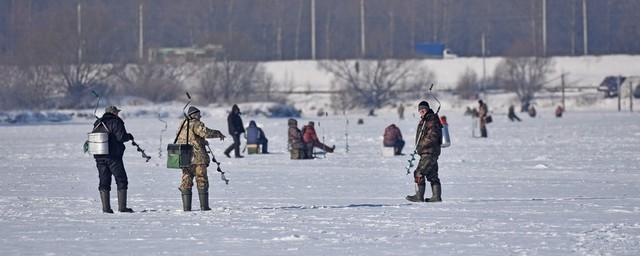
(545, 186)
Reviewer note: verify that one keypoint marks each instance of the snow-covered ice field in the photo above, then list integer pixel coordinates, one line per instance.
(546, 186)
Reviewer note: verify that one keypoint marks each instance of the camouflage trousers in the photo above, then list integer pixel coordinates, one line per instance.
(427, 169)
(296, 154)
(199, 171)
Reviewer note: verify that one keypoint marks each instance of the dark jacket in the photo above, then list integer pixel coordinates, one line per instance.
(392, 135)
(254, 134)
(431, 139)
(234, 121)
(117, 135)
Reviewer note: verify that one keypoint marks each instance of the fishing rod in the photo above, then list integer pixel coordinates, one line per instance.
(213, 158)
(97, 103)
(161, 132)
(144, 155)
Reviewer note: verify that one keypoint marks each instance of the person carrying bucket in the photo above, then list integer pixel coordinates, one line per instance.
(194, 132)
(111, 163)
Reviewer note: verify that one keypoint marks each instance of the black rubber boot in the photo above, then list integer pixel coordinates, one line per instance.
(122, 201)
(419, 196)
(436, 196)
(203, 195)
(106, 202)
(186, 199)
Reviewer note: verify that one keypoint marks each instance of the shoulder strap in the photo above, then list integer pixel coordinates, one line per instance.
(179, 131)
(101, 123)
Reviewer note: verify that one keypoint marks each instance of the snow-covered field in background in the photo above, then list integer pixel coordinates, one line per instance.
(581, 70)
(545, 186)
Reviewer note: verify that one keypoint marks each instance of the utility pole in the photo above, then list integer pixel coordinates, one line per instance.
(544, 28)
(562, 82)
(79, 24)
(391, 33)
(140, 32)
(313, 29)
(484, 63)
(631, 96)
(619, 88)
(585, 28)
(363, 49)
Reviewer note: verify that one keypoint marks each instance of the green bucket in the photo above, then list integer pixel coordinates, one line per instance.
(179, 156)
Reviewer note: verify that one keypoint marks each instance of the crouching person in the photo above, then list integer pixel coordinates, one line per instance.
(296, 146)
(393, 138)
(111, 164)
(197, 133)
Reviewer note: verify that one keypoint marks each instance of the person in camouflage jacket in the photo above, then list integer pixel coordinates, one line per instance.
(296, 146)
(197, 133)
(428, 142)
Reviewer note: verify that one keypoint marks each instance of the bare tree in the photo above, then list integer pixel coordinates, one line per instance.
(376, 83)
(233, 81)
(24, 87)
(523, 75)
(467, 85)
(155, 82)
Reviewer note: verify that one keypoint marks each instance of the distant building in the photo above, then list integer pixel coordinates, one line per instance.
(207, 53)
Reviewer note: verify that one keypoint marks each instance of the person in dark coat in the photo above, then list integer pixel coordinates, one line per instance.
(512, 114)
(559, 111)
(255, 135)
(428, 142)
(532, 111)
(112, 164)
(393, 138)
(235, 129)
(483, 112)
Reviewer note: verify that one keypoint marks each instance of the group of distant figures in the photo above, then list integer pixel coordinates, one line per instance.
(302, 142)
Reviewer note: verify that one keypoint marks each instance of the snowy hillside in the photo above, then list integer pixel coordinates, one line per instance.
(545, 186)
(585, 71)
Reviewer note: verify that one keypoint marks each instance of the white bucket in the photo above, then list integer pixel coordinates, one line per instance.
(388, 151)
(98, 143)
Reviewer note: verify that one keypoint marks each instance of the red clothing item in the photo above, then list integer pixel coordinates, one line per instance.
(309, 134)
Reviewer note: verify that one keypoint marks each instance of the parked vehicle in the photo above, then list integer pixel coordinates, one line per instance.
(434, 50)
(610, 85)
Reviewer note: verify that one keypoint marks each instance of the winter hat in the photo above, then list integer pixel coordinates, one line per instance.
(235, 108)
(423, 105)
(193, 110)
(292, 122)
(112, 110)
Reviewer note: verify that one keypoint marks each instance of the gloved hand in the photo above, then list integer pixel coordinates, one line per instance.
(130, 136)
(222, 137)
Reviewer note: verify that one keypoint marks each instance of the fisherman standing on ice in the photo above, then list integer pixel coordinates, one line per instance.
(235, 129)
(111, 164)
(196, 134)
(428, 141)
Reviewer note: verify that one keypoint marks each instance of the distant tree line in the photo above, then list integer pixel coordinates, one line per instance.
(103, 31)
